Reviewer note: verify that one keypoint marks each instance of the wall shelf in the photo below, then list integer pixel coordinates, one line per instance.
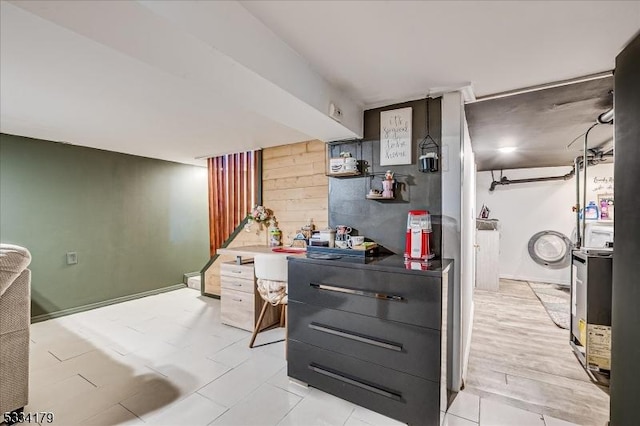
(388, 200)
(354, 148)
(373, 197)
(400, 187)
(345, 174)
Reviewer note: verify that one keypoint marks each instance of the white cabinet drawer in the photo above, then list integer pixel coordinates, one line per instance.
(237, 308)
(232, 269)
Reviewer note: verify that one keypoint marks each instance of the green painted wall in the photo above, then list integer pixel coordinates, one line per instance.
(137, 224)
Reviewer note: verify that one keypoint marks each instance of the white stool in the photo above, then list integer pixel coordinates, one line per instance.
(272, 273)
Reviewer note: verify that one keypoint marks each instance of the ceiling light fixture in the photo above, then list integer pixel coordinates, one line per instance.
(507, 149)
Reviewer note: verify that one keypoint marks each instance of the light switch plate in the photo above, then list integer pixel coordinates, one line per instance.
(72, 258)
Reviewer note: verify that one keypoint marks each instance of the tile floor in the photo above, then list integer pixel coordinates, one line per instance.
(167, 360)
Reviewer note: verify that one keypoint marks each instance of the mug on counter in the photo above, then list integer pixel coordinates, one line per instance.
(343, 244)
(342, 231)
(355, 240)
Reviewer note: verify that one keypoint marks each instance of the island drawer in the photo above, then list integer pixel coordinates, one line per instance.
(413, 350)
(398, 395)
(407, 298)
(232, 269)
(237, 284)
(237, 308)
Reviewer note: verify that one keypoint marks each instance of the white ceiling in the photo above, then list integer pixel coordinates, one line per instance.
(120, 76)
(177, 80)
(88, 94)
(383, 52)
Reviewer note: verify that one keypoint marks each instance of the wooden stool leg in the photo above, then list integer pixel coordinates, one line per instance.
(286, 333)
(259, 323)
(282, 315)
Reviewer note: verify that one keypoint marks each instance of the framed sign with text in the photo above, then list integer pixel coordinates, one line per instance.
(395, 137)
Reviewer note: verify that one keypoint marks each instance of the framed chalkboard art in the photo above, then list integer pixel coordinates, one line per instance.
(395, 136)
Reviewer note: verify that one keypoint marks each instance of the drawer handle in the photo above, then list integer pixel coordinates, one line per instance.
(347, 335)
(343, 378)
(236, 272)
(236, 284)
(235, 299)
(382, 296)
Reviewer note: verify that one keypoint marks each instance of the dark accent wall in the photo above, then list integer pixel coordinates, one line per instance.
(386, 221)
(137, 224)
(625, 350)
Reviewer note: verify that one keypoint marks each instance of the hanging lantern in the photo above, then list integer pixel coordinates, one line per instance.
(428, 161)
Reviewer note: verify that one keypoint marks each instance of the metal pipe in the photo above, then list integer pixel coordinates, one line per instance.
(506, 181)
(606, 117)
(576, 166)
(584, 183)
(595, 159)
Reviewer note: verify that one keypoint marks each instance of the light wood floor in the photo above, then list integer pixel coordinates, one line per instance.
(520, 357)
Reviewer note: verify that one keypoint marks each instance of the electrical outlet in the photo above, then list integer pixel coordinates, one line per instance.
(72, 258)
(335, 112)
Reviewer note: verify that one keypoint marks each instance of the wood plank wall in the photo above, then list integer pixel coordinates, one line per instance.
(295, 187)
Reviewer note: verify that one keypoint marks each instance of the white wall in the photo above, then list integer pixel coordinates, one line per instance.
(525, 209)
(468, 255)
(451, 207)
(458, 224)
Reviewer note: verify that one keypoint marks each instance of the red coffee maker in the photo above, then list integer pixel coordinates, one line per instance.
(418, 242)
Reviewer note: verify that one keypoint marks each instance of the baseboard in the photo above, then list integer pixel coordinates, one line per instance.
(534, 279)
(213, 296)
(65, 312)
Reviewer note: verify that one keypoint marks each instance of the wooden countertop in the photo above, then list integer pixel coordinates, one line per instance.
(244, 251)
(250, 251)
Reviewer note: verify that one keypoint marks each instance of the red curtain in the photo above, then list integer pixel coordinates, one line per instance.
(234, 186)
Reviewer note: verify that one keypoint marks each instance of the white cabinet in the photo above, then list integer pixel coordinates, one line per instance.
(487, 260)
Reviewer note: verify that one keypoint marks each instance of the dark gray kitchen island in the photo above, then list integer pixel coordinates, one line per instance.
(373, 332)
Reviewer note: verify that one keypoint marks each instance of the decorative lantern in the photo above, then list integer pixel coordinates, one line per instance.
(428, 161)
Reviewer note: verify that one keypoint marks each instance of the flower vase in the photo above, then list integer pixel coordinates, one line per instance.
(260, 228)
(387, 188)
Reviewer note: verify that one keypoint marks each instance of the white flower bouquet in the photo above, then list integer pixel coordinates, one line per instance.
(260, 214)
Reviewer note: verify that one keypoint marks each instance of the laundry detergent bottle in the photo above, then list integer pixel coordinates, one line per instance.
(591, 212)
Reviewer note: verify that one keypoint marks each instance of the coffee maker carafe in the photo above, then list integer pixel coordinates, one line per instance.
(418, 238)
